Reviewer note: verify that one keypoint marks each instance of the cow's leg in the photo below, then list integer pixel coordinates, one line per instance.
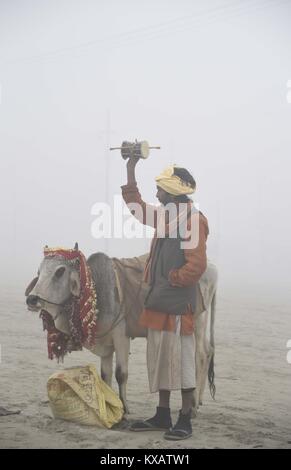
(121, 346)
(204, 374)
(201, 358)
(107, 368)
(209, 353)
(199, 368)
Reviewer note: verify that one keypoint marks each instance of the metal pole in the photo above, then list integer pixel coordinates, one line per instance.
(107, 169)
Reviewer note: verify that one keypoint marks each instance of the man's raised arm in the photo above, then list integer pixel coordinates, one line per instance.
(145, 213)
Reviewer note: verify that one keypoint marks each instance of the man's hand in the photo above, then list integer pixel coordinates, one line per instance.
(131, 164)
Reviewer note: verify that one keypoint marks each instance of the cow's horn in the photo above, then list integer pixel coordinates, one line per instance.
(76, 247)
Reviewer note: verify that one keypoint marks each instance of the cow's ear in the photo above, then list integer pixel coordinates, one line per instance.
(75, 287)
(30, 286)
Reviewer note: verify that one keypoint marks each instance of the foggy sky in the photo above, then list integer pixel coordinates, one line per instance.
(205, 80)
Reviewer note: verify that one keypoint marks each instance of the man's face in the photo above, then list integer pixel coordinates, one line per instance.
(164, 197)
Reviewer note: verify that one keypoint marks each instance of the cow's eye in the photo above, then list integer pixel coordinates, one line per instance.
(59, 272)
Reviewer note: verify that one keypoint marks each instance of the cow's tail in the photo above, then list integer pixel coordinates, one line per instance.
(211, 374)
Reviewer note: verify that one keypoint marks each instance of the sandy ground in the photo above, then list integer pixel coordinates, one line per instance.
(253, 380)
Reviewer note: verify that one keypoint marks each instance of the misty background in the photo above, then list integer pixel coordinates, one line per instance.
(205, 80)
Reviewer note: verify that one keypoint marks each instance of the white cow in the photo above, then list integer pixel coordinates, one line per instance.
(58, 280)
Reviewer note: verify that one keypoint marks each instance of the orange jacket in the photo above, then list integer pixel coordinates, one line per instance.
(189, 274)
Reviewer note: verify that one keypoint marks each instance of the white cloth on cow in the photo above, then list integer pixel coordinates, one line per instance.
(171, 359)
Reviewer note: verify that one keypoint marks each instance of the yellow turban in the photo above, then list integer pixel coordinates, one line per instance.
(172, 184)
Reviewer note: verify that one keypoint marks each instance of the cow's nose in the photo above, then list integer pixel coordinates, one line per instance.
(32, 300)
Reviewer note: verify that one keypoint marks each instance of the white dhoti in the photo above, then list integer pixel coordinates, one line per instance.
(171, 359)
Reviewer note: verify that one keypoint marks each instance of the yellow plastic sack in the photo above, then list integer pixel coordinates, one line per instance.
(78, 394)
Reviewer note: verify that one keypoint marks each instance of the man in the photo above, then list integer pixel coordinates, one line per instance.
(172, 273)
